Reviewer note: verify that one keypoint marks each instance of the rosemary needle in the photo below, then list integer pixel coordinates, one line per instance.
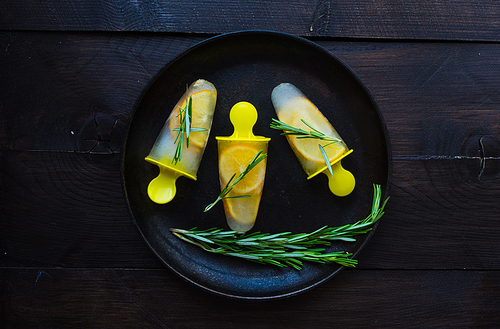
(185, 117)
(285, 248)
(229, 185)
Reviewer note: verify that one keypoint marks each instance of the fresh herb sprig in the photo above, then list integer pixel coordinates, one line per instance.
(301, 133)
(285, 249)
(229, 186)
(185, 117)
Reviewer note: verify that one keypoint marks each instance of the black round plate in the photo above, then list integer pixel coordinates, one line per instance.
(246, 66)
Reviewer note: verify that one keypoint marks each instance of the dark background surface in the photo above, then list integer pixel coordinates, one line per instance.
(71, 73)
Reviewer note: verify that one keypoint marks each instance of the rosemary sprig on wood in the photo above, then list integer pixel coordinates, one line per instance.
(229, 186)
(301, 133)
(285, 249)
(185, 117)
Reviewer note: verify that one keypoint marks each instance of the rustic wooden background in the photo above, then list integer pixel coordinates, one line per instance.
(70, 73)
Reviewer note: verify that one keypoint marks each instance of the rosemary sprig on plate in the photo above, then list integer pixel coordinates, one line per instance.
(185, 117)
(285, 249)
(229, 186)
(301, 133)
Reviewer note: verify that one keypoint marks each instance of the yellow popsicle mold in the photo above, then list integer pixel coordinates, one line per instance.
(243, 116)
(342, 182)
(162, 188)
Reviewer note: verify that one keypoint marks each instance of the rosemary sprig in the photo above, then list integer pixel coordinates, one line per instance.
(301, 133)
(285, 249)
(185, 117)
(229, 185)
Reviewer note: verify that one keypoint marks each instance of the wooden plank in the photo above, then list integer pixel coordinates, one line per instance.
(122, 298)
(429, 20)
(437, 99)
(440, 149)
(66, 209)
(63, 92)
(440, 209)
(440, 109)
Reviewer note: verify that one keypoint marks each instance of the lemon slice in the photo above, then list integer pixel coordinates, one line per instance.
(308, 147)
(203, 101)
(234, 160)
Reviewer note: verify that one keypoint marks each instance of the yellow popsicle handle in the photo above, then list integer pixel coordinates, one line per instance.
(342, 182)
(243, 116)
(162, 188)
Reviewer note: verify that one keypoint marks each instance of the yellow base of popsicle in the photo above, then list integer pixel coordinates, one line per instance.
(342, 182)
(162, 188)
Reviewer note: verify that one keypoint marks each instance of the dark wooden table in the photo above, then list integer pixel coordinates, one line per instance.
(71, 72)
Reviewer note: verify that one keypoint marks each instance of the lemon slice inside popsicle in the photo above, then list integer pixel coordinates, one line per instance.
(234, 160)
(309, 147)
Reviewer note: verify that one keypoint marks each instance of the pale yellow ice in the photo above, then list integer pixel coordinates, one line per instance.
(292, 106)
(234, 157)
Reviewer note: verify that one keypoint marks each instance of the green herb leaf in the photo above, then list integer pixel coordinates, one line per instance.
(325, 157)
(301, 133)
(285, 248)
(185, 117)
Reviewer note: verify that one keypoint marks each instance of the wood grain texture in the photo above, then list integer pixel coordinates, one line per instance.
(122, 298)
(60, 156)
(439, 209)
(70, 255)
(67, 209)
(90, 82)
(438, 99)
(429, 20)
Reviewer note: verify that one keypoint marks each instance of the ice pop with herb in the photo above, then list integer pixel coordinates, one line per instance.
(316, 144)
(179, 148)
(242, 169)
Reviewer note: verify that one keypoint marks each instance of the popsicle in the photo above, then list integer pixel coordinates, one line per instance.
(179, 147)
(296, 110)
(236, 152)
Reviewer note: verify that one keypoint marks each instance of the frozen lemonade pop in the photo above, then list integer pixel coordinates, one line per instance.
(180, 145)
(296, 110)
(236, 152)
